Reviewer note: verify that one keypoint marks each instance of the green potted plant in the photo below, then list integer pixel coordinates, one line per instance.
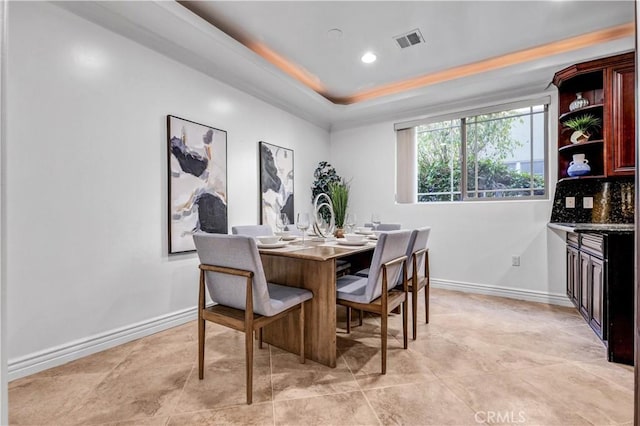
(339, 193)
(583, 126)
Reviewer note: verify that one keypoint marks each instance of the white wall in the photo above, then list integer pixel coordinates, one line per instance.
(471, 244)
(86, 201)
(4, 411)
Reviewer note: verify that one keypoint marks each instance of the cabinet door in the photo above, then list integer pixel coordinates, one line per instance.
(573, 275)
(596, 277)
(585, 296)
(622, 146)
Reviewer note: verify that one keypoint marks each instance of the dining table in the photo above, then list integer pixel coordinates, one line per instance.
(311, 266)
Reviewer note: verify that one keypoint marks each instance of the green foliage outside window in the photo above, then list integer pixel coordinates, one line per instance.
(489, 144)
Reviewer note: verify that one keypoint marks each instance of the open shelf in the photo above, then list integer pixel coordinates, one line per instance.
(594, 109)
(581, 177)
(588, 145)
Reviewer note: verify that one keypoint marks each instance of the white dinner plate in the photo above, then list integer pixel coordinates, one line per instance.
(363, 232)
(351, 243)
(372, 237)
(288, 238)
(279, 244)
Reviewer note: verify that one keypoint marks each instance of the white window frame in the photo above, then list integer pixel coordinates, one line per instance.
(545, 101)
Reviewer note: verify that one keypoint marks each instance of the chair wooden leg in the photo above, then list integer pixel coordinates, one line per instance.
(414, 313)
(360, 315)
(260, 338)
(426, 299)
(301, 325)
(383, 338)
(348, 320)
(405, 319)
(201, 335)
(249, 364)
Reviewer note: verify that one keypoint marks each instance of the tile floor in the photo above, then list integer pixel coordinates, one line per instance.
(480, 360)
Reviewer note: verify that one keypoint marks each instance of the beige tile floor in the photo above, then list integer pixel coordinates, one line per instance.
(480, 360)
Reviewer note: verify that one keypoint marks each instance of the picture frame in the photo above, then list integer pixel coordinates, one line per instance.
(276, 183)
(197, 182)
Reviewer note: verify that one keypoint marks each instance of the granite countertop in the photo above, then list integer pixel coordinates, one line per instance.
(593, 227)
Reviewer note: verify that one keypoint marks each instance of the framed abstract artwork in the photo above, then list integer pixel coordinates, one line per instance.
(276, 183)
(197, 162)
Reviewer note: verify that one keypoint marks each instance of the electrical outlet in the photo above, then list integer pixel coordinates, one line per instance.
(587, 203)
(515, 260)
(570, 202)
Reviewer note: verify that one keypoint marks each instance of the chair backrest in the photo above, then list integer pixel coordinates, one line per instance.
(385, 226)
(418, 241)
(391, 245)
(239, 252)
(252, 230)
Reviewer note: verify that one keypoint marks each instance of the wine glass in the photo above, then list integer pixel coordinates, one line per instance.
(302, 223)
(375, 219)
(350, 221)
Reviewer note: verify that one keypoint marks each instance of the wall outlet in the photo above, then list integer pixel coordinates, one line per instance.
(570, 202)
(515, 260)
(587, 203)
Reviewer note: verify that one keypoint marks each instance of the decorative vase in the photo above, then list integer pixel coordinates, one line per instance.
(579, 166)
(579, 102)
(579, 136)
(339, 233)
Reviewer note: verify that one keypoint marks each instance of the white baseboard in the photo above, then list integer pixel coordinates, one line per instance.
(512, 293)
(52, 357)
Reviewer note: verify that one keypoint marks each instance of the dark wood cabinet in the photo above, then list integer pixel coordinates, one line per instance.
(623, 121)
(596, 284)
(573, 274)
(600, 284)
(608, 84)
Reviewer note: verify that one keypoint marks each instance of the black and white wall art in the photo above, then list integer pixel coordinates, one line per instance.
(276, 183)
(197, 182)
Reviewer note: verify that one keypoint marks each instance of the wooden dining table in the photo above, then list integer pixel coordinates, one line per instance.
(312, 267)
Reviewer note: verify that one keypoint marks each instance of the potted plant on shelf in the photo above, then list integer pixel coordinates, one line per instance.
(583, 127)
(339, 193)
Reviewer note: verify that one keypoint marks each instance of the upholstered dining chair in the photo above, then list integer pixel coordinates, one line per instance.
(377, 293)
(418, 272)
(231, 269)
(417, 260)
(385, 226)
(252, 230)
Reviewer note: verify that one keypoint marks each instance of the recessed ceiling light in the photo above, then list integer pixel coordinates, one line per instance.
(334, 33)
(368, 58)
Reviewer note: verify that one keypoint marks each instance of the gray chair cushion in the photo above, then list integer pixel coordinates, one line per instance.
(252, 230)
(241, 252)
(352, 288)
(390, 245)
(418, 241)
(363, 272)
(283, 297)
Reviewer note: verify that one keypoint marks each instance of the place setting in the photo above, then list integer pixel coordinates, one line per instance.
(270, 242)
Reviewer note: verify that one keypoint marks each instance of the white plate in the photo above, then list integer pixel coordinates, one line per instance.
(288, 238)
(363, 232)
(372, 237)
(351, 243)
(279, 244)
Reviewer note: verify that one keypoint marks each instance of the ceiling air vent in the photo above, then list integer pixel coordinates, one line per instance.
(409, 39)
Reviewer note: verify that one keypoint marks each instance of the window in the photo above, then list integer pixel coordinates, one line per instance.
(502, 151)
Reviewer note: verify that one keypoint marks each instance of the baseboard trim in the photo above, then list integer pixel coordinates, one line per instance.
(52, 357)
(512, 293)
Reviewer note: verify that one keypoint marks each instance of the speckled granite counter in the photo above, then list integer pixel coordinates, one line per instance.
(593, 227)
